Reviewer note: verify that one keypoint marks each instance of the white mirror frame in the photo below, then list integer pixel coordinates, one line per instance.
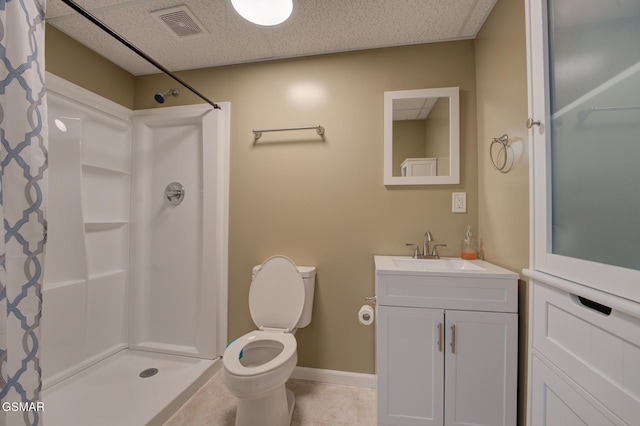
(454, 136)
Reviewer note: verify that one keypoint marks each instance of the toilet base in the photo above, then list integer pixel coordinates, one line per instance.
(274, 409)
(291, 402)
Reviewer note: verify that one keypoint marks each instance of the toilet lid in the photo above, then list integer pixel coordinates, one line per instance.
(276, 296)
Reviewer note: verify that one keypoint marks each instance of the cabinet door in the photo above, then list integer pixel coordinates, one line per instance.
(481, 368)
(410, 366)
(555, 402)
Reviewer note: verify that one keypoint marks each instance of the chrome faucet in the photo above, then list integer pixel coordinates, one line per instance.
(425, 244)
(426, 253)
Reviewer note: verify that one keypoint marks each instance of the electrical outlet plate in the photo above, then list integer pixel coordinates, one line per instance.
(459, 202)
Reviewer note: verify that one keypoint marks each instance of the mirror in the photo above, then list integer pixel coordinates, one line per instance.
(422, 137)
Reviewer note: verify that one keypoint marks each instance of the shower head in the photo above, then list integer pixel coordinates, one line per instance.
(160, 97)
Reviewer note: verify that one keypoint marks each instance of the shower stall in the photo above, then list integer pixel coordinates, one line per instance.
(134, 295)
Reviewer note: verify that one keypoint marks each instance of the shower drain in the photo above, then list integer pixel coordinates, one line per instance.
(148, 372)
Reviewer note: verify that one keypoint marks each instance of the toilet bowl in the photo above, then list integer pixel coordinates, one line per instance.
(257, 364)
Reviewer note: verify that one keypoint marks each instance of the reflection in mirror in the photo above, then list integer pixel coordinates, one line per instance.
(422, 137)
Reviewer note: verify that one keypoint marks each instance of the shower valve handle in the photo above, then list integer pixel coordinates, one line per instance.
(174, 193)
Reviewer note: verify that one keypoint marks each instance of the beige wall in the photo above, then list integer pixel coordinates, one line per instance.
(322, 202)
(72, 61)
(501, 77)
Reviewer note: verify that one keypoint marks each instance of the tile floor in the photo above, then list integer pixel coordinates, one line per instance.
(317, 404)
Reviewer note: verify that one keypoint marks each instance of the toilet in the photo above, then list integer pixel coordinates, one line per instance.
(257, 365)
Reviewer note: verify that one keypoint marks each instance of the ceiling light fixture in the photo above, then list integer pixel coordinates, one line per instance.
(264, 12)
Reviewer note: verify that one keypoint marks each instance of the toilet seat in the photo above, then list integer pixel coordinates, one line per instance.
(276, 301)
(276, 295)
(231, 357)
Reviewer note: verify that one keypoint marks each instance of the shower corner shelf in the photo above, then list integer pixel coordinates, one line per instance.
(103, 170)
(111, 273)
(46, 286)
(104, 225)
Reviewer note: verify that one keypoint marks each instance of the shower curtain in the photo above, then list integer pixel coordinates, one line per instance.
(23, 165)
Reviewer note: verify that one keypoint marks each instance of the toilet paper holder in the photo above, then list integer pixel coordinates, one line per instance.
(371, 299)
(367, 312)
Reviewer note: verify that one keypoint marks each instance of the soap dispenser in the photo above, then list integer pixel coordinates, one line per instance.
(469, 251)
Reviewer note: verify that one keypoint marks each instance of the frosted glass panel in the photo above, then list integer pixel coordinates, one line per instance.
(595, 130)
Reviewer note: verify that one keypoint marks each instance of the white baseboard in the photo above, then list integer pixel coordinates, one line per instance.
(335, 377)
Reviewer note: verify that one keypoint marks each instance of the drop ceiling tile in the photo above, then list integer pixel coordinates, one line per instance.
(316, 27)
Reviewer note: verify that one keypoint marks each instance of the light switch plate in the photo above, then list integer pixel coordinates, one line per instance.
(459, 202)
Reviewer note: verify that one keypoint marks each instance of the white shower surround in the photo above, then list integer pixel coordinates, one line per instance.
(176, 251)
(96, 301)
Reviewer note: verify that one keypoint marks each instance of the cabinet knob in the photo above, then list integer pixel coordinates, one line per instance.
(531, 123)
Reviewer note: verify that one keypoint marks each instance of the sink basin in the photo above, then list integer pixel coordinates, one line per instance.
(443, 264)
(445, 283)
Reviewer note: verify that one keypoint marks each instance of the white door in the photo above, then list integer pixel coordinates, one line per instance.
(410, 366)
(481, 368)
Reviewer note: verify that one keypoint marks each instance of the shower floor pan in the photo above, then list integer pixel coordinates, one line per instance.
(112, 392)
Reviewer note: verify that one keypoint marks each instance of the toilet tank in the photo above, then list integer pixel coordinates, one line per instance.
(309, 279)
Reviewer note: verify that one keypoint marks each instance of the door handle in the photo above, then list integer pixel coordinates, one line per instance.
(440, 336)
(531, 123)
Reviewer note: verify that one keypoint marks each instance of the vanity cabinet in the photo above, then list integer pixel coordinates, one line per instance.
(446, 367)
(446, 346)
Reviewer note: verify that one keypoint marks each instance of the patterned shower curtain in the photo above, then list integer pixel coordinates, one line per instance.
(23, 165)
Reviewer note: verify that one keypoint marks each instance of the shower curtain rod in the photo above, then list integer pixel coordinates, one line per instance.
(75, 6)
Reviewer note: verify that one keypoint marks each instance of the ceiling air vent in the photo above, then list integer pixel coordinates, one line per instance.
(181, 21)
